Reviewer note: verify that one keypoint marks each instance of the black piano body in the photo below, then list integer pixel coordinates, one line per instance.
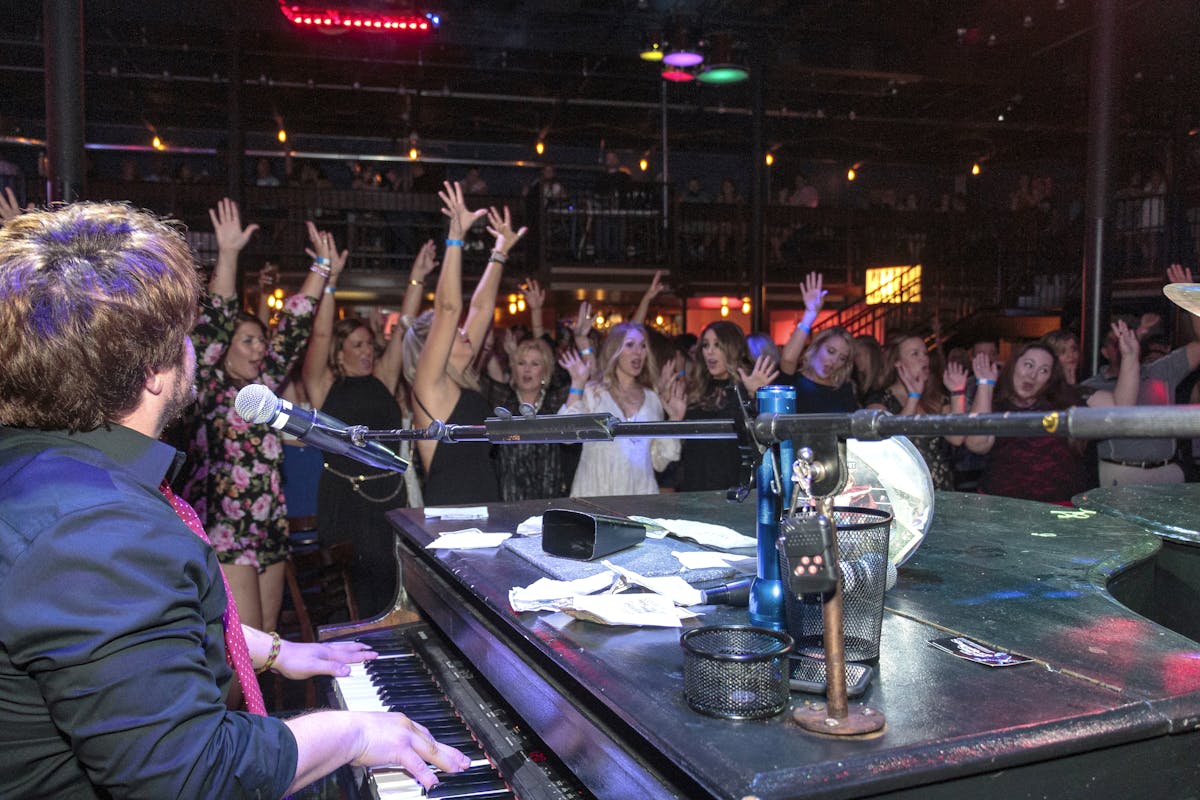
(1109, 706)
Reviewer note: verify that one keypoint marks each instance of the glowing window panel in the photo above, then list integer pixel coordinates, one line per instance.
(899, 284)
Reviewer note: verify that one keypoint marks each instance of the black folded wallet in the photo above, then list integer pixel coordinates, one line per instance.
(586, 537)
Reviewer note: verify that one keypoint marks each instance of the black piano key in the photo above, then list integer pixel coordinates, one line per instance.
(448, 788)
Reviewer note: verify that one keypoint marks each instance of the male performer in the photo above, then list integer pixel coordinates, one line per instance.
(113, 666)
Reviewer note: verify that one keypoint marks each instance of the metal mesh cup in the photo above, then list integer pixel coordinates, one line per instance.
(736, 671)
(862, 537)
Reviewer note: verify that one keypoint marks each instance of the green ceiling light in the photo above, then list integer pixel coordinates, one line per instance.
(723, 73)
(723, 67)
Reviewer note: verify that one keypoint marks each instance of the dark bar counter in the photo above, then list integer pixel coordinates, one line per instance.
(1109, 707)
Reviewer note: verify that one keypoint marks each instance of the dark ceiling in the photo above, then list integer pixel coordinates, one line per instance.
(909, 81)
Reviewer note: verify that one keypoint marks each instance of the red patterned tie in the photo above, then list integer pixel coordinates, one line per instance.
(236, 651)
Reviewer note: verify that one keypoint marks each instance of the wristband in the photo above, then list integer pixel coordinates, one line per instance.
(322, 260)
(587, 351)
(276, 644)
(323, 271)
(415, 282)
(914, 395)
(985, 382)
(498, 257)
(959, 393)
(454, 243)
(800, 326)
(330, 289)
(575, 391)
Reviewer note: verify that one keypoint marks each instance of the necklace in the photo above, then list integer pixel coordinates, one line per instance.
(629, 399)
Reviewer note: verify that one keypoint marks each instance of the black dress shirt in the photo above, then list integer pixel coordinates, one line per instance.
(112, 654)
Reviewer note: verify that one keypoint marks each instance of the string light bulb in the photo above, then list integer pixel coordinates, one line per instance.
(745, 305)
(976, 169)
(770, 159)
(540, 147)
(851, 174)
(282, 136)
(413, 154)
(157, 143)
(644, 165)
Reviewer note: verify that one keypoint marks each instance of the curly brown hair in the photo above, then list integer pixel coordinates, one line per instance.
(94, 298)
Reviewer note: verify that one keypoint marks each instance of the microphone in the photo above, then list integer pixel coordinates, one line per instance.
(257, 404)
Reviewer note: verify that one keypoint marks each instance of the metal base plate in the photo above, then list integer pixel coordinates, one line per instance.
(814, 717)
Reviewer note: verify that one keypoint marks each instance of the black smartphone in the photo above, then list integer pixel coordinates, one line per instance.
(807, 674)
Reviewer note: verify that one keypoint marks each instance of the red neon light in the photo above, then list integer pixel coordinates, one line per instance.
(357, 18)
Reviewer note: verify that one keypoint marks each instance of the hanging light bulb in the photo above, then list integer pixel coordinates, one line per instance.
(157, 143)
(851, 174)
(745, 305)
(644, 164)
(658, 320)
(540, 147)
(770, 159)
(521, 304)
(413, 154)
(281, 136)
(975, 168)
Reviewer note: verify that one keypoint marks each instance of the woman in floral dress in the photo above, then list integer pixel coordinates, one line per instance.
(236, 487)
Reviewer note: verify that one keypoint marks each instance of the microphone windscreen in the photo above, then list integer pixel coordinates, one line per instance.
(255, 403)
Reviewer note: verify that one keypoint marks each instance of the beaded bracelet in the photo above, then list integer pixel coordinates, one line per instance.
(276, 644)
(498, 256)
(986, 382)
(575, 391)
(454, 243)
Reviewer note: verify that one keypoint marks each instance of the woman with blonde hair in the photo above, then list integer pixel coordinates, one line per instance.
(823, 379)
(531, 471)
(625, 388)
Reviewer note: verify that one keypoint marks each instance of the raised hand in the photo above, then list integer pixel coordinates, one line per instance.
(500, 226)
(1176, 273)
(9, 207)
(324, 246)
(535, 295)
(913, 380)
(674, 397)
(425, 262)
(984, 367)
(954, 378)
(227, 225)
(455, 208)
(656, 286)
(812, 293)
(583, 321)
(576, 366)
(764, 374)
(1127, 342)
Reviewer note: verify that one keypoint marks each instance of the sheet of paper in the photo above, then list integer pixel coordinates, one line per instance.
(706, 533)
(465, 512)
(469, 539)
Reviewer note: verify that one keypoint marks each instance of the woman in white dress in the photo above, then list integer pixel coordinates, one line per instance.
(624, 387)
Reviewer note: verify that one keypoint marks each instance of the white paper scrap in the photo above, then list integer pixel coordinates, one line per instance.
(530, 527)
(465, 512)
(707, 533)
(707, 559)
(469, 539)
(651, 610)
(546, 594)
(671, 586)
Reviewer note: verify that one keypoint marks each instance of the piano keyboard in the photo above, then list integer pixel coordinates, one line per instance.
(417, 675)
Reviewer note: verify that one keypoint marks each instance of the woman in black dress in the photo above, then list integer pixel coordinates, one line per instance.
(723, 362)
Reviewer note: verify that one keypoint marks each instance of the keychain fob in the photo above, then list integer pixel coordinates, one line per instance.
(806, 550)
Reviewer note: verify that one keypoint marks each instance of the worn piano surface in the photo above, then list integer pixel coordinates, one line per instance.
(1109, 707)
